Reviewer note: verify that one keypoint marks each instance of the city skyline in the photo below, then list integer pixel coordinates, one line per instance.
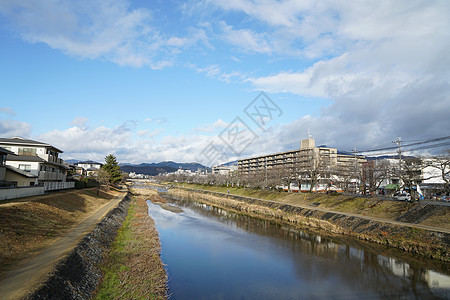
(163, 81)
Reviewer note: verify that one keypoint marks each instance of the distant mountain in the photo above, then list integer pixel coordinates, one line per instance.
(230, 163)
(72, 161)
(161, 167)
(186, 166)
(147, 170)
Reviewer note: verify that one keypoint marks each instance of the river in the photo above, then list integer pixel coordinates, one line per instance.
(211, 253)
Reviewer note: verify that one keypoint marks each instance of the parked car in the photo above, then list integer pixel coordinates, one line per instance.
(402, 196)
(445, 198)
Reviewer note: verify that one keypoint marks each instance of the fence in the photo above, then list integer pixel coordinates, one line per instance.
(26, 191)
(52, 186)
(18, 192)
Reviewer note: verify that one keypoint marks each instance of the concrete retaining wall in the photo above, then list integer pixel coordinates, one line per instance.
(78, 276)
(18, 192)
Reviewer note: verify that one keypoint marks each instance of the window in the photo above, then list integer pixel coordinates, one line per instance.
(27, 151)
(26, 168)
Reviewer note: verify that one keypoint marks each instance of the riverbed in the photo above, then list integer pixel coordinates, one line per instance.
(211, 253)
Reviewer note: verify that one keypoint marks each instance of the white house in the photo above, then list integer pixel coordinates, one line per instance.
(91, 167)
(37, 159)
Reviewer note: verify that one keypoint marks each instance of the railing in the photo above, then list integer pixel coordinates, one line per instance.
(52, 186)
(43, 175)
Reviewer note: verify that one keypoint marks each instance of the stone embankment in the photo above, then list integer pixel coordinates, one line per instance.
(405, 236)
(78, 275)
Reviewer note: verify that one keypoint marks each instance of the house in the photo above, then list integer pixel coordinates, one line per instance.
(90, 167)
(37, 161)
(12, 177)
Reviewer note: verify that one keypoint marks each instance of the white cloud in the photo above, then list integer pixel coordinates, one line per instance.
(82, 140)
(98, 29)
(219, 124)
(11, 128)
(214, 71)
(246, 39)
(159, 121)
(79, 121)
(7, 110)
(145, 133)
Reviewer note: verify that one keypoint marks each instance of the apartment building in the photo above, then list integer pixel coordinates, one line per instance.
(303, 163)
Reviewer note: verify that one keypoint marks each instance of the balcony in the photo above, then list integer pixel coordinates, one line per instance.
(51, 176)
(51, 158)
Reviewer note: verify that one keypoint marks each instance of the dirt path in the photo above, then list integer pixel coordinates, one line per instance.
(30, 273)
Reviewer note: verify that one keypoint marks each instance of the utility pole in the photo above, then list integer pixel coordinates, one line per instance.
(355, 170)
(398, 141)
(265, 165)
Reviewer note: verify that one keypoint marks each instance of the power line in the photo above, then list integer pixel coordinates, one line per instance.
(412, 144)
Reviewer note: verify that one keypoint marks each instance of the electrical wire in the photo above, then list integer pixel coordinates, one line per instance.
(412, 144)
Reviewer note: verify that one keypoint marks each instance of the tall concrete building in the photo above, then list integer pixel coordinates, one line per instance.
(304, 163)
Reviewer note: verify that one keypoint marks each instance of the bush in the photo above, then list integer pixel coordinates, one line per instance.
(86, 183)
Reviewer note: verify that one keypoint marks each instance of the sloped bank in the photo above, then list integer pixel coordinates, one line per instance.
(431, 244)
(78, 275)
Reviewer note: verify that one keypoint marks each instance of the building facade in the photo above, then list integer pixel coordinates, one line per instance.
(35, 159)
(89, 167)
(311, 166)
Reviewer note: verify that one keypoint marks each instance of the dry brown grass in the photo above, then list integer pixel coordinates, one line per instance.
(366, 206)
(30, 224)
(440, 219)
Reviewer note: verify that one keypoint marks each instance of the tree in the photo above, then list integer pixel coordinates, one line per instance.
(441, 162)
(112, 168)
(103, 177)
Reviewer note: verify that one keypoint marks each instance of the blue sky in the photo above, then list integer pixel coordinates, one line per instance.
(171, 80)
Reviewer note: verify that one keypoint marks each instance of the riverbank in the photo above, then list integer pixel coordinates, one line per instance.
(30, 225)
(429, 243)
(424, 214)
(133, 268)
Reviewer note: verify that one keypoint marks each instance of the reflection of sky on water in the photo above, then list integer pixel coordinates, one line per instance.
(210, 252)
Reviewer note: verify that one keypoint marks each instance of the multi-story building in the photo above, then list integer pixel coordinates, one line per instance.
(309, 164)
(224, 169)
(35, 158)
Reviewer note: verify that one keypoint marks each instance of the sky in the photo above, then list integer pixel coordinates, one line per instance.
(211, 81)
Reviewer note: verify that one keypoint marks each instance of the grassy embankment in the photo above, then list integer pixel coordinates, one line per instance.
(133, 269)
(413, 240)
(366, 206)
(28, 225)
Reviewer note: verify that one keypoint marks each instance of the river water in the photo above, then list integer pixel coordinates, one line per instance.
(211, 253)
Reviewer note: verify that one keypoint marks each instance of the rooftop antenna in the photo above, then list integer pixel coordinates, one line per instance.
(309, 134)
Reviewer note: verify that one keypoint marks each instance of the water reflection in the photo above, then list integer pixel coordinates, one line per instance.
(282, 262)
(144, 185)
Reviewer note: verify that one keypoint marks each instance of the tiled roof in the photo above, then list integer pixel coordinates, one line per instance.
(5, 151)
(21, 172)
(22, 141)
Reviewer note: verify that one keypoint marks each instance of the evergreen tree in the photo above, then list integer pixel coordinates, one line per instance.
(113, 169)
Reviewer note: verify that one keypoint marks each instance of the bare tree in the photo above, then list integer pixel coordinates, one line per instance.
(409, 171)
(441, 162)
